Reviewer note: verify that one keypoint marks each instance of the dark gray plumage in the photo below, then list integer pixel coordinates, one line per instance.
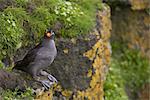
(40, 57)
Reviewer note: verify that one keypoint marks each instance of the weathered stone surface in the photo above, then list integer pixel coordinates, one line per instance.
(10, 81)
(133, 28)
(135, 4)
(82, 62)
(70, 66)
(80, 65)
(140, 4)
(17, 79)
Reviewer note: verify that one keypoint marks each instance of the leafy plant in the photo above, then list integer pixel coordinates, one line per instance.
(10, 34)
(114, 85)
(40, 20)
(76, 16)
(135, 70)
(23, 18)
(129, 71)
(22, 3)
(16, 95)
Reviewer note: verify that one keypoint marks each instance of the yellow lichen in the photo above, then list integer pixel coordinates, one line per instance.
(73, 40)
(91, 53)
(100, 56)
(95, 91)
(95, 82)
(66, 93)
(89, 73)
(66, 50)
(140, 4)
(45, 96)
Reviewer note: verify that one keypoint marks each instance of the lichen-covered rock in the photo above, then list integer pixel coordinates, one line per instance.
(134, 4)
(82, 62)
(140, 4)
(80, 66)
(8, 80)
(132, 27)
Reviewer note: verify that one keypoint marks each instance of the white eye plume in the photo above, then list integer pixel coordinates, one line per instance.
(52, 32)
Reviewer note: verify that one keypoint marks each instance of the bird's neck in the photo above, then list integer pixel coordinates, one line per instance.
(48, 43)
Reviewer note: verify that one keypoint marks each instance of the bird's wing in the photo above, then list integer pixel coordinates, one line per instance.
(30, 56)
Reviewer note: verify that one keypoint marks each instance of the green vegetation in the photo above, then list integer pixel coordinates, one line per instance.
(128, 72)
(114, 85)
(15, 95)
(20, 20)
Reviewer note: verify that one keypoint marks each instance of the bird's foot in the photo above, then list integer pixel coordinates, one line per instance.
(46, 84)
(50, 77)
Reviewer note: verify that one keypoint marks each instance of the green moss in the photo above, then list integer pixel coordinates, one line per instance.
(10, 34)
(16, 95)
(23, 18)
(114, 85)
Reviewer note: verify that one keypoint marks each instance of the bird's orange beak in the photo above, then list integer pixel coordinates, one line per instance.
(48, 34)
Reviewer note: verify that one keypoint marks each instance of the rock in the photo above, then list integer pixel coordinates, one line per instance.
(134, 4)
(82, 62)
(9, 80)
(17, 80)
(80, 66)
(140, 4)
(132, 27)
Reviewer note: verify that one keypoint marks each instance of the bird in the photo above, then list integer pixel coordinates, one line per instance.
(39, 58)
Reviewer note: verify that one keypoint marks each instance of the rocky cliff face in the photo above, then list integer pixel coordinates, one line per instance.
(134, 4)
(82, 62)
(140, 4)
(131, 25)
(133, 28)
(80, 66)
